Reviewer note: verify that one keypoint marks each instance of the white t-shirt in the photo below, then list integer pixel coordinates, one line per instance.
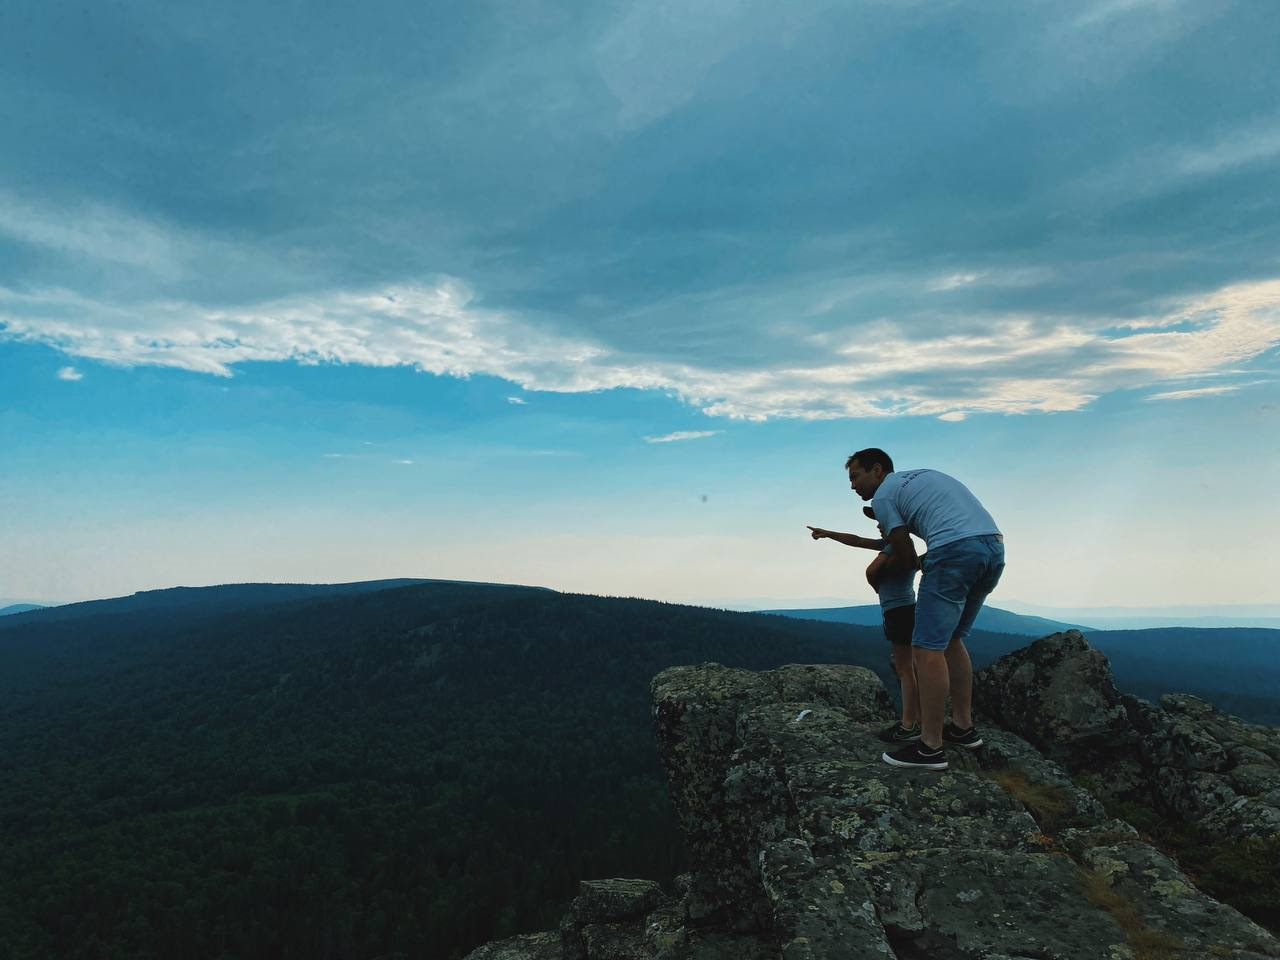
(935, 507)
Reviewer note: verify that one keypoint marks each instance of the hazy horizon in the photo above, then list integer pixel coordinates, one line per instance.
(749, 605)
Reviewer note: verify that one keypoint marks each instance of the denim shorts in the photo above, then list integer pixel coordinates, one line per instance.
(957, 578)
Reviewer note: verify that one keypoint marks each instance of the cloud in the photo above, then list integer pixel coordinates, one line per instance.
(1099, 13)
(952, 416)
(682, 435)
(519, 401)
(70, 373)
(1240, 147)
(1195, 392)
(657, 197)
(1213, 391)
(954, 280)
(406, 463)
(983, 363)
(88, 230)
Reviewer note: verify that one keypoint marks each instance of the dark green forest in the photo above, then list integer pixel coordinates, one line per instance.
(376, 772)
(406, 773)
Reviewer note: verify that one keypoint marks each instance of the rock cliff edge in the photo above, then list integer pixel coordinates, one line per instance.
(805, 845)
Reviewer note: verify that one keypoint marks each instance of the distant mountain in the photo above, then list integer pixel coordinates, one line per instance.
(1211, 616)
(989, 618)
(19, 608)
(1206, 623)
(222, 598)
(1237, 669)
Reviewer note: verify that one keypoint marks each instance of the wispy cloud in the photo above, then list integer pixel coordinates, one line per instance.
(70, 373)
(998, 363)
(88, 230)
(406, 463)
(1195, 392)
(1099, 13)
(1212, 391)
(682, 435)
(954, 280)
(519, 401)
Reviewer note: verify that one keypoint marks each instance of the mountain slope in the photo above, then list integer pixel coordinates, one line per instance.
(19, 608)
(217, 600)
(414, 769)
(989, 618)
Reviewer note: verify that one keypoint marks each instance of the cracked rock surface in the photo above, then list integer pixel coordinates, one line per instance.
(806, 846)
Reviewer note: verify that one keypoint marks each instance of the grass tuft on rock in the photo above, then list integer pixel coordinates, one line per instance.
(1147, 943)
(1046, 802)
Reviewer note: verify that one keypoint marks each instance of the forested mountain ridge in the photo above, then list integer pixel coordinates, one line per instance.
(405, 772)
(13, 608)
(221, 599)
(396, 772)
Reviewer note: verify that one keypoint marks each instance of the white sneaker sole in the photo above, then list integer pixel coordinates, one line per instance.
(964, 746)
(938, 765)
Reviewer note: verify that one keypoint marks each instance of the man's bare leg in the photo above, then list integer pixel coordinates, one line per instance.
(906, 671)
(960, 669)
(932, 680)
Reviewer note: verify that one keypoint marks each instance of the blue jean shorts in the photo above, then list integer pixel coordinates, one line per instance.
(957, 578)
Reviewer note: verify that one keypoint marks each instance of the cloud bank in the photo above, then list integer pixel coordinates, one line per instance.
(765, 212)
(992, 364)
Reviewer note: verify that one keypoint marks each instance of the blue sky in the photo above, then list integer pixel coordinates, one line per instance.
(599, 297)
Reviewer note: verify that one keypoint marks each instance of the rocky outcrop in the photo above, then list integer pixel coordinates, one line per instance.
(1182, 757)
(806, 846)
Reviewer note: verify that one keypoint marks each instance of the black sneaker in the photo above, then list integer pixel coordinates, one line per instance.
(900, 734)
(968, 739)
(918, 756)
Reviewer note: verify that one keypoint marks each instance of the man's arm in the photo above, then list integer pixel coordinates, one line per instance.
(848, 539)
(903, 558)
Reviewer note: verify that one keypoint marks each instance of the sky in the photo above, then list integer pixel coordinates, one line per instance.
(600, 296)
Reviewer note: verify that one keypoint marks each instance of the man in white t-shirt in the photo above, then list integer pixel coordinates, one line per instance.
(963, 562)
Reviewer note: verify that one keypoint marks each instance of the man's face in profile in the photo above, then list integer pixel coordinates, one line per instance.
(865, 482)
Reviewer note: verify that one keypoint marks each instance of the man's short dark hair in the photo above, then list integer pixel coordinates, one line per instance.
(869, 457)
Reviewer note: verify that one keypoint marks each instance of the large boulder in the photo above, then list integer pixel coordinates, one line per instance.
(1058, 693)
(1184, 757)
